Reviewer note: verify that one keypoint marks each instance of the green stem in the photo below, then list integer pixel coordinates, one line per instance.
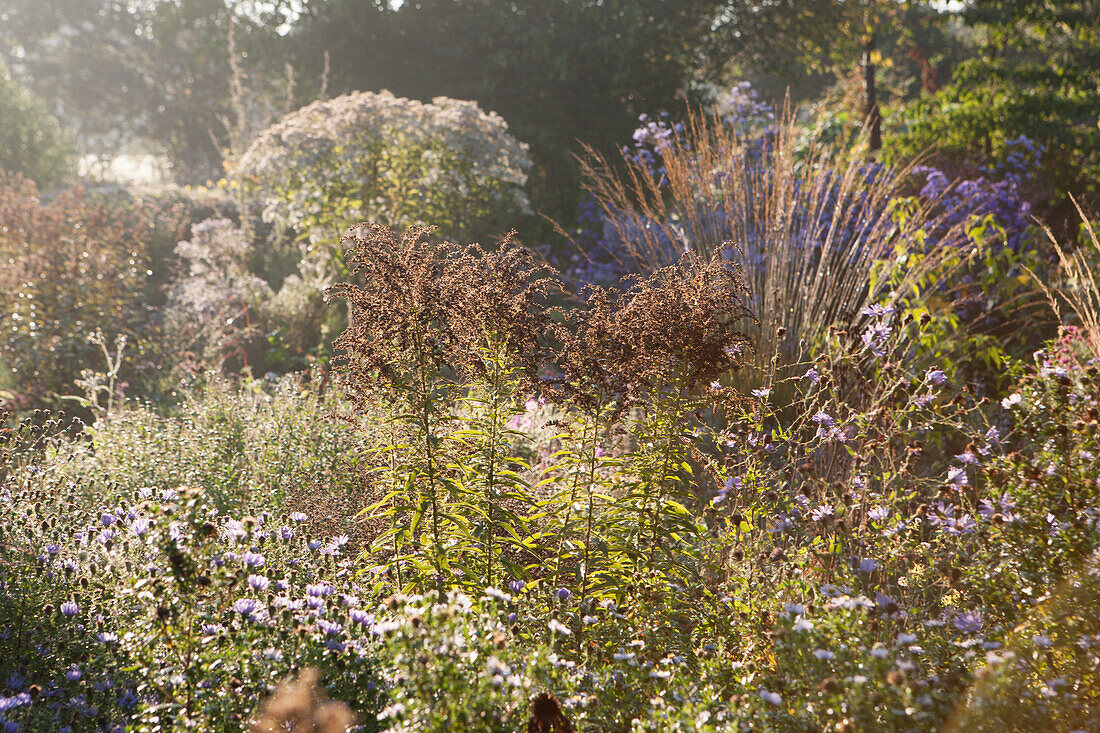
(429, 454)
(569, 505)
(490, 481)
(673, 424)
(591, 500)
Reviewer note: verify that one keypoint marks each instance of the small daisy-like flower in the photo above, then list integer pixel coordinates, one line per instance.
(258, 582)
(563, 594)
(140, 526)
(245, 606)
(70, 609)
(298, 517)
(936, 376)
(812, 375)
(761, 393)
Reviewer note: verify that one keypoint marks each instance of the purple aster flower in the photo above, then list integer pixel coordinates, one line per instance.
(874, 338)
(53, 549)
(812, 375)
(868, 566)
(107, 519)
(515, 586)
(968, 458)
(298, 517)
(234, 530)
(70, 609)
(314, 544)
(969, 622)
(253, 559)
(258, 582)
(331, 628)
(936, 376)
(73, 674)
(361, 617)
(879, 514)
(107, 638)
(563, 594)
(105, 536)
(246, 606)
(127, 699)
(956, 476)
(319, 589)
(212, 629)
(822, 512)
(877, 311)
(286, 532)
(15, 701)
(761, 393)
(140, 526)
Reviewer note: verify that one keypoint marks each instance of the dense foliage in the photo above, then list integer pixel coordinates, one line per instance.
(31, 142)
(802, 436)
(567, 520)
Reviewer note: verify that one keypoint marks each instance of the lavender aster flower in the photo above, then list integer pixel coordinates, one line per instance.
(70, 609)
(258, 582)
(253, 559)
(969, 622)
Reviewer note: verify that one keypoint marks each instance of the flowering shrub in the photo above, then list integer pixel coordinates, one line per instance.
(71, 265)
(398, 161)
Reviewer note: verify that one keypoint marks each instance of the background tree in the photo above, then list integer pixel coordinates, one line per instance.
(1036, 73)
(558, 71)
(31, 141)
(159, 73)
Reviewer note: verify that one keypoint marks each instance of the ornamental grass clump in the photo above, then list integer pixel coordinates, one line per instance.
(452, 335)
(813, 228)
